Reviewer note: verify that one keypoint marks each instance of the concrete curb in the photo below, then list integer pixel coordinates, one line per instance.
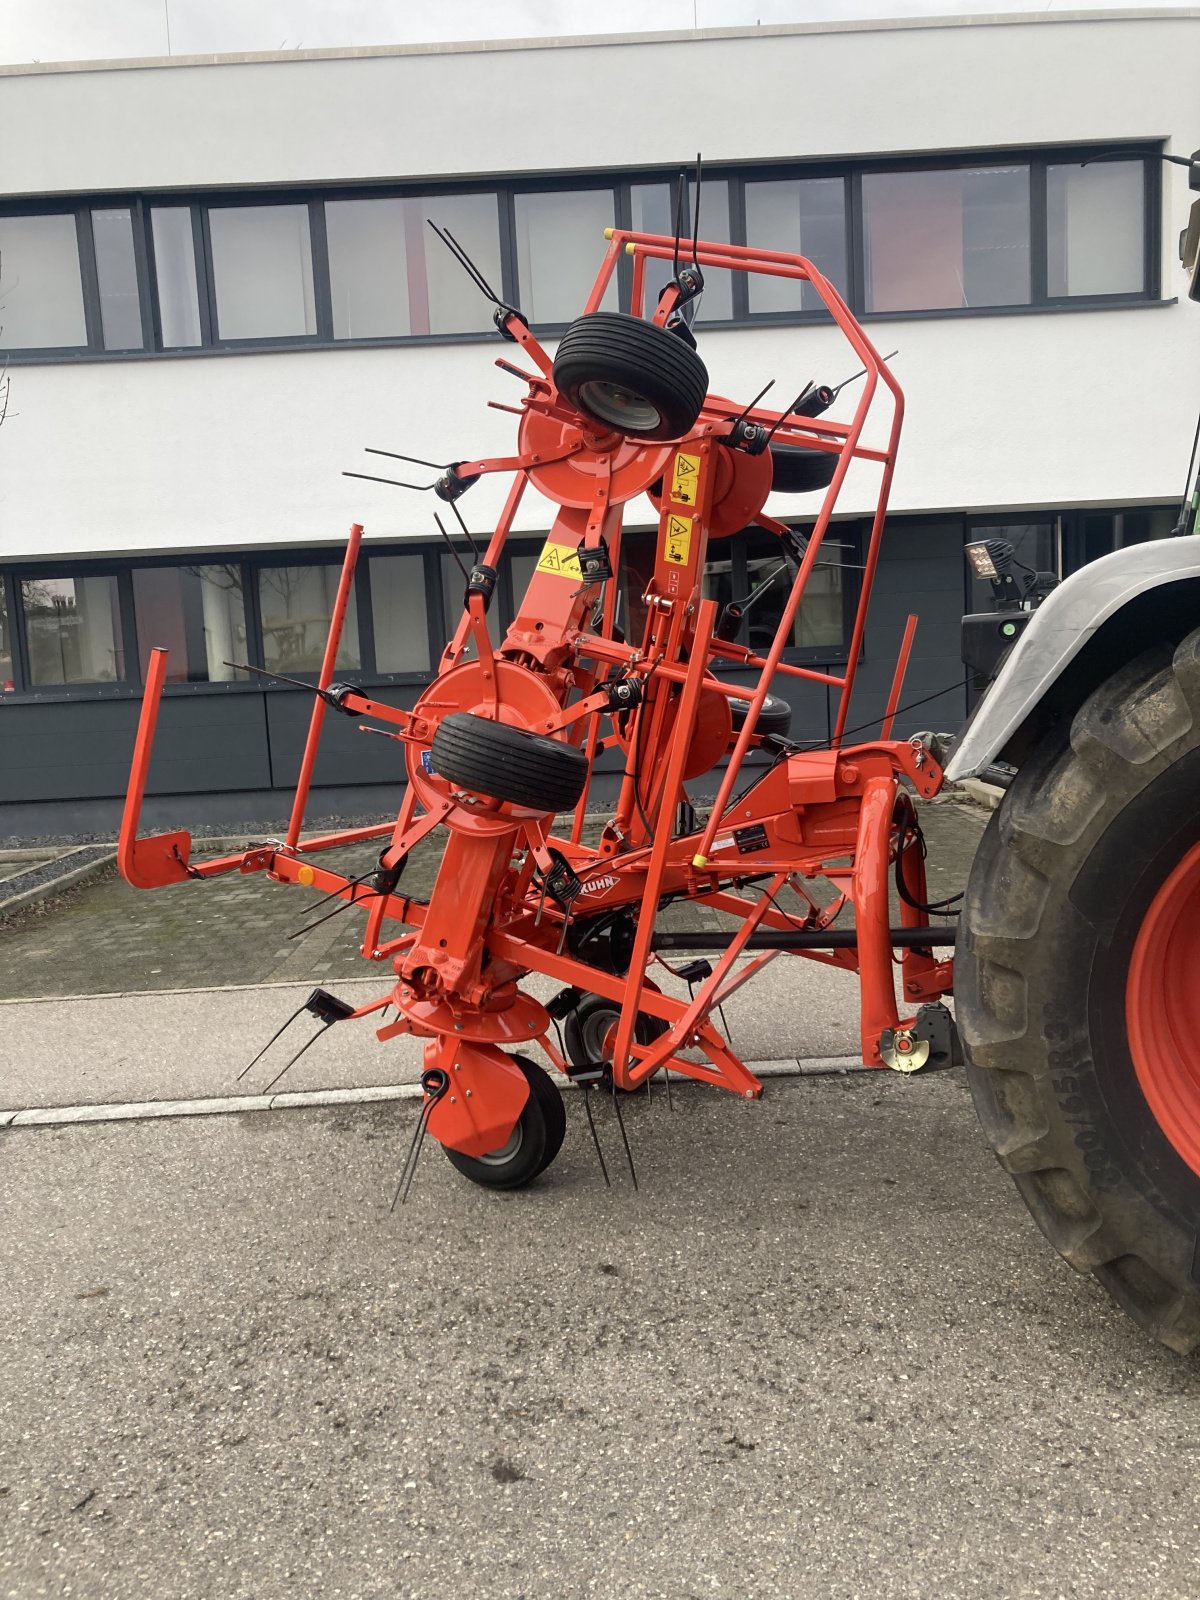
(227, 1105)
(62, 881)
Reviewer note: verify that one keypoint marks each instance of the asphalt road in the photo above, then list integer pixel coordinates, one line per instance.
(822, 1353)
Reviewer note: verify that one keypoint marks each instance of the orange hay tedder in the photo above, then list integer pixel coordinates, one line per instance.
(505, 739)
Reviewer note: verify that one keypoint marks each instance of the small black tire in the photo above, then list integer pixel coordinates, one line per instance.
(795, 470)
(774, 716)
(533, 1144)
(587, 1025)
(630, 376)
(511, 764)
(1092, 826)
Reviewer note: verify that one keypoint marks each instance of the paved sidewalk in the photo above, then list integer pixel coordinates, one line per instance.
(170, 993)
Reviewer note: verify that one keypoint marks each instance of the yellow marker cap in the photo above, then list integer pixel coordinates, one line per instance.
(630, 249)
(699, 861)
(608, 232)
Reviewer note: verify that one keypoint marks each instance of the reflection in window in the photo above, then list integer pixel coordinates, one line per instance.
(521, 566)
(41, 293)
(805, 217)
(958, 237)
(197, 614)
(398, 613)
(175, 273)
(820, 618)
(116, 273)
(391, 275)
(1095, 228)
(73, 629)
(296, 605)
(262, 271)
(560, 245)
(654, 212)
(7, 670)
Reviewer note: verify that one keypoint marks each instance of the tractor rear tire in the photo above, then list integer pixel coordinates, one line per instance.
(533, 1144)
(630, 376)
(505, 763)
(1077, 990)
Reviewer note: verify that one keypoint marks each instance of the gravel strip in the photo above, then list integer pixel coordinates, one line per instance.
(48, 875)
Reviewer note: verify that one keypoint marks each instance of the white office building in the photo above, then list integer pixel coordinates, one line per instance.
(217, 287)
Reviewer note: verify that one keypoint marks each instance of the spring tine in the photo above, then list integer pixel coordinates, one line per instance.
(269, 1043)
(409, 1168)
(435, 1081)
(297, 1056)
(667, 1071)
(587, 1106)
(724, 1024)
(624, 1136)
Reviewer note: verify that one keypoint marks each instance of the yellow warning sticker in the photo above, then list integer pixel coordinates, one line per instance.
(677, 542)
(559, 559)
(684, 478)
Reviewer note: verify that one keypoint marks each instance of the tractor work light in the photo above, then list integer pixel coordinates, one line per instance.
(990, 558)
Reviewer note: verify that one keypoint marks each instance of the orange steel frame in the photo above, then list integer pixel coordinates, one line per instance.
(839, 814)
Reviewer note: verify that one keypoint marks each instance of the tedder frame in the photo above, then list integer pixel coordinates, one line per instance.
(505, 738)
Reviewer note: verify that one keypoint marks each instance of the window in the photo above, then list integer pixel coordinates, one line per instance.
(197, 614)
(399, 620)
(955, 237)
(296, 605)
(41, 291)
(391, 275)
(175, 274)
(1096, 233)
(560, 237)
(116, 274)
(653, 211)
(120, 274)
(804, 216)
(819, 621)
(8, 680)
(262, 272)
(73, 630)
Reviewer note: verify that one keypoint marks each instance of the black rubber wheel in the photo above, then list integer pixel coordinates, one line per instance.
(774, 716)
(490, 758)
(587, 1026)
(630, 376)
(535, 1141)
(798, 471)
(1084, 840)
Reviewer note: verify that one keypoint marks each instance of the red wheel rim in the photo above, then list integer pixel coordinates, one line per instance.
(1162, 1006)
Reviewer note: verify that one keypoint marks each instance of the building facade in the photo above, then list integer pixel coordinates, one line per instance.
(217, 287)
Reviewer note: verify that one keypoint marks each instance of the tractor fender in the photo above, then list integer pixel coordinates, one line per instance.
(1102, 616)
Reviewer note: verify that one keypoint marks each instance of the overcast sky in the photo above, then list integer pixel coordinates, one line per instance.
(76, 30)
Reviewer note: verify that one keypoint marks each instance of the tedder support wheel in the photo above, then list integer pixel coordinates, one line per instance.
(798, 471)
(774, 716)
(588, 1029)
(1078, 988)
(533, 1143)
(630, 375)
(491, 758)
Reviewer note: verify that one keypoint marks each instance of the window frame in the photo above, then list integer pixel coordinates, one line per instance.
(736, 175)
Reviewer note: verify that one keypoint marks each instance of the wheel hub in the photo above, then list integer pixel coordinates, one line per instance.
(1162, 1004)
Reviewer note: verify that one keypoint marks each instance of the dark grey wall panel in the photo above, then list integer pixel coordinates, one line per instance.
(345, 755)
(80, 749)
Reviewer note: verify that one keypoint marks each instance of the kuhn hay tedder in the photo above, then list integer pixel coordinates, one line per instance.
(505, 740)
